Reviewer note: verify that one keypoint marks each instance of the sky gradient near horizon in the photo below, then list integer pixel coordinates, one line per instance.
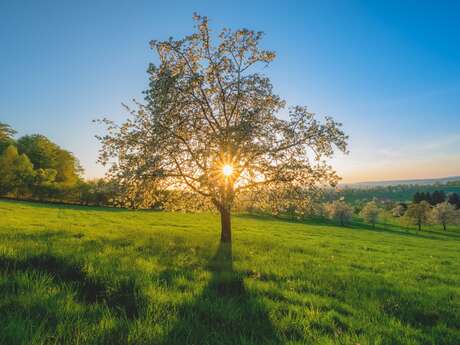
(389, 71)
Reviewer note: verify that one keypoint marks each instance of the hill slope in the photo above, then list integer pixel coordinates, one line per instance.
(75, 275)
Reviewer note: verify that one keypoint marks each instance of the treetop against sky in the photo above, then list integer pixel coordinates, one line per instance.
(388, 72)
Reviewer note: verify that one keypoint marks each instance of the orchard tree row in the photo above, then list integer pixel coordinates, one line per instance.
(418, 214)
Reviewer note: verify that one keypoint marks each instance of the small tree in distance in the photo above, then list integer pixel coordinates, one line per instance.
(210, 126)
(419, 213)
(444, 214)
(339, 211)
(398, 210)
(370, 213)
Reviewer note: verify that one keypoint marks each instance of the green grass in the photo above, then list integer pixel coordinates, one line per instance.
(76, 275)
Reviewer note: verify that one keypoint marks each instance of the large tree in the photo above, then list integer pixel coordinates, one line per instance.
(210, 126)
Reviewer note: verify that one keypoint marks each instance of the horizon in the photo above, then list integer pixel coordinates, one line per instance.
(397, 182)
(390, 78)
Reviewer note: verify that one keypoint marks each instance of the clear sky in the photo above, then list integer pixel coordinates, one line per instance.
(390, 71)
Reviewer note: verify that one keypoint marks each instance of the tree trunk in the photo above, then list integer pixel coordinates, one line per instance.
(225, 224)
(419, 226)
(444, 225)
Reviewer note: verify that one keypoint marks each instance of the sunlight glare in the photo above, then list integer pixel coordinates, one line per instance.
(227, 170)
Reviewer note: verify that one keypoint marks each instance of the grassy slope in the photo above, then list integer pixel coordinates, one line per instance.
(74, 275)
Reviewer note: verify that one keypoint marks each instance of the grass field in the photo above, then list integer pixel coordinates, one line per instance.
(76, 275)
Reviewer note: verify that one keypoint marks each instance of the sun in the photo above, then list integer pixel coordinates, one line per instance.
(227, 170)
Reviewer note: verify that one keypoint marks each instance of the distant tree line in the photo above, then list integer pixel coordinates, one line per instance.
(437, 197)
(35, 168)
(397, 193)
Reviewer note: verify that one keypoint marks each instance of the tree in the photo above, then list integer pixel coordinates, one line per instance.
(339, 211)
(444, 213)
(6, 136)
(16, 172)
(454, 199)
(68, 168)
(44, 183)
(370, 213)
(417, 197)
(418, 213)
(23, 172)
(44, 154)
(438, 197)
(427, 197)
(41, 151)
(210, 126)
(7, 159)
(398, 210)
(6, 132)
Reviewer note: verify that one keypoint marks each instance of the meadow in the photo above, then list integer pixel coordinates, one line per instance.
(81, 275)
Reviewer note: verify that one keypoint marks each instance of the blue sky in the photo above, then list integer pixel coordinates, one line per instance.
(390, 71)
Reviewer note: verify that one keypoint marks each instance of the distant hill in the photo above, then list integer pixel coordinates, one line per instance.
(395, 190)
(416, 182)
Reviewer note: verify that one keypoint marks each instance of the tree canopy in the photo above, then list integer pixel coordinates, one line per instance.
(46, 155)
(16, 171)
(6, 136)
(209, 107)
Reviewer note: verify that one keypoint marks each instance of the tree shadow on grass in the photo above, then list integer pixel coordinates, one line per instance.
(442, 233)
(356, 225)
(124, 298)
(62, 205)
(224, 313)
(392, 229)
